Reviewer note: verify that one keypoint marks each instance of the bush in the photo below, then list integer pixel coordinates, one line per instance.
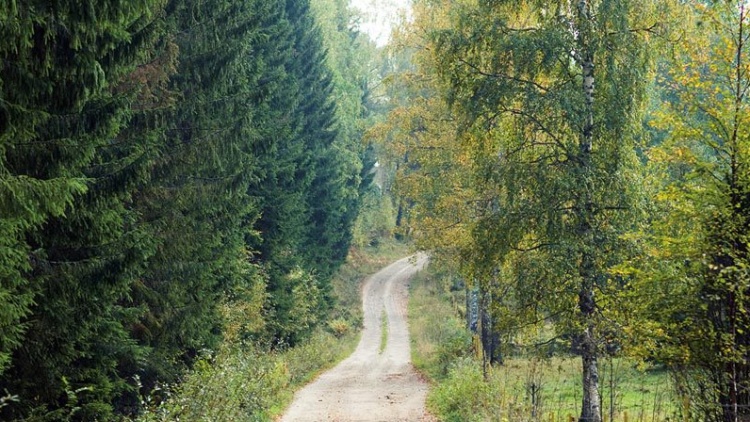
(456, 344)
(244, 383)
(463, 395)
(339, 327)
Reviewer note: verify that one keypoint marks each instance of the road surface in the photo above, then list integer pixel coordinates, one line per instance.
(372, 385)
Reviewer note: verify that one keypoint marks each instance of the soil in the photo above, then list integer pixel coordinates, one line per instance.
(374, 383)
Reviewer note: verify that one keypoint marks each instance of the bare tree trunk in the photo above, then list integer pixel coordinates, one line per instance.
(489, 337)
(591, 406)
(591, 411)
(472, 309)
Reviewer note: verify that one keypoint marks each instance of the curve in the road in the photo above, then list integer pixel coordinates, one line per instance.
(371, 385)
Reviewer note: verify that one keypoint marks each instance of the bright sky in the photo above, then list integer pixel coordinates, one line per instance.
(379, 16)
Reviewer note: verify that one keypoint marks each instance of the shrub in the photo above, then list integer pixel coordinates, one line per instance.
(339, 327)
(244, 382)
(463, 395)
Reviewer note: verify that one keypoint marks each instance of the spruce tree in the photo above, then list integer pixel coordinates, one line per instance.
(304, 116)
(197, 207)
(72, 237)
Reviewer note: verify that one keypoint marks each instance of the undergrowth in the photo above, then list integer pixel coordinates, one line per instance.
(524, 388)
(243, 381)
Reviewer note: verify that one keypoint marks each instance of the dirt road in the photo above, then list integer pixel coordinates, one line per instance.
(372, 385)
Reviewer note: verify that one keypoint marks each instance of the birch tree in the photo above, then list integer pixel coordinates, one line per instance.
(549, 95)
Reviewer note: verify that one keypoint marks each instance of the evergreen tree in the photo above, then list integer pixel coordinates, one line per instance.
(160, 160)
(299, 182)
(75, 255)
(197, 206)
(346, 175)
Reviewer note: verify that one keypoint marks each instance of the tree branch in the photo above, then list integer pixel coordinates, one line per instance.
(503, 76)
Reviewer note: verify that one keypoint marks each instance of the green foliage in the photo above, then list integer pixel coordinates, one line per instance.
(698, 245)
(309, 187)
(375, 220)
(163, 163)
(243, 383)
(530, 385)
(465, 397)
(72, 237)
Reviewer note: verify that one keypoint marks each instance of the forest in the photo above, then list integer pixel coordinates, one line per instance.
(184, 182)
(583, 168)
(174, 173)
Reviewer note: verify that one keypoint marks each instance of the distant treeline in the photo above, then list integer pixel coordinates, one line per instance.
(162, 161)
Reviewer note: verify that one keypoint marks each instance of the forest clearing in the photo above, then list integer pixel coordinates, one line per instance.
(528, 386)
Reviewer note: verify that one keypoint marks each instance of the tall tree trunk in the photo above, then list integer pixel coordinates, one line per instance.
(591, 406)
(591, 409)
(472, 309)
(489, 335)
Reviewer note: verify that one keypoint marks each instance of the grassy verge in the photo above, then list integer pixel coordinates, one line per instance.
(246, 382)
(524, 388)
(383, 331)
(438, 336)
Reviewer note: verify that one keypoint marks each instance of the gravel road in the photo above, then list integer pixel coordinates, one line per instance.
(372, 385)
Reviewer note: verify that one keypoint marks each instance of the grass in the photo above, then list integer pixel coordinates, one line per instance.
(524, 388)
(246, 382)
(383, 331)
(551, 389)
